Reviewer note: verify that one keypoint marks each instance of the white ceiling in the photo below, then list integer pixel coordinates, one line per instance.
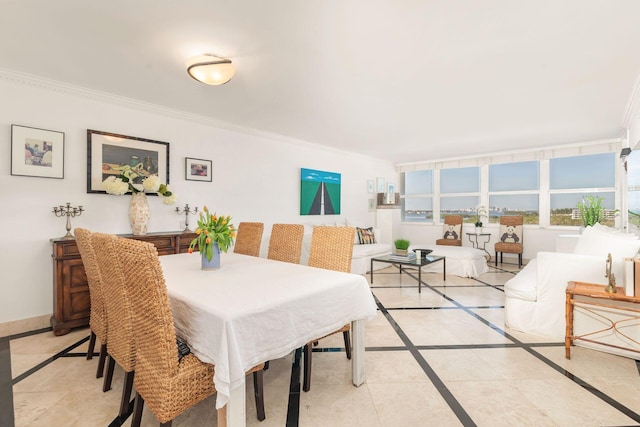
(399, 80)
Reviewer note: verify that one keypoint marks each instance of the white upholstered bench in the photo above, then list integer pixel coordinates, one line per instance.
(461, 261)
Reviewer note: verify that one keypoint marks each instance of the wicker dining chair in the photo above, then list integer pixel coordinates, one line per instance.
(331, 249)
(249, 238)
(452, 232)
(510, 237)
(120, 342)
(168, 383)
(97, 314)
(285, 243)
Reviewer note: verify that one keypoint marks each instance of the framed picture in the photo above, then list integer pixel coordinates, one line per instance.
(37, 152)
(370, 186)
(372, 205)
(108, 152)
(391, 188)
(198, 169)
(380, 185)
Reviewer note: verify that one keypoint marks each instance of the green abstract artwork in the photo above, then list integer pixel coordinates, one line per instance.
(319, 192)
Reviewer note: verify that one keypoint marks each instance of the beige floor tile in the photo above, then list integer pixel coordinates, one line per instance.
(411, 404)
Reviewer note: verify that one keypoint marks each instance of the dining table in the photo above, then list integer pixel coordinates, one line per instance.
(252, 310)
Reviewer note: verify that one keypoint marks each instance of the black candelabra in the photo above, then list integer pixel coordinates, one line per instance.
(69, 212)
(186, 211)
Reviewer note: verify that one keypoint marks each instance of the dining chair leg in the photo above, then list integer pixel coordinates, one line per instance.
(92, 345)
(101, 360)
(496, 259)
(258, 386)
(126, 394)
(519, 260)
(306, 383)
(111, 364)
(137, 411)
(347, 343)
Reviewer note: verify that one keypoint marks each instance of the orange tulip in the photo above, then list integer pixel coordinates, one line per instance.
(206, 232)
(190, 250)
(233, 234)
(205, 208)
(208, 240)
(198, 231)
(214, 218)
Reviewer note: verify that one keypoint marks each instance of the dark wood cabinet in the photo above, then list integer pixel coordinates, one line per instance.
(71, 304)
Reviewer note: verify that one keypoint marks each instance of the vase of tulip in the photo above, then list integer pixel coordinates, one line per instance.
(215, 234)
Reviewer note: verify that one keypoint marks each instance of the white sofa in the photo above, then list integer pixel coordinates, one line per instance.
(461, 260)
(535, 297)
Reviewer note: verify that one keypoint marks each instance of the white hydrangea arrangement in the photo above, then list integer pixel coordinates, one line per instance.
(151, 184)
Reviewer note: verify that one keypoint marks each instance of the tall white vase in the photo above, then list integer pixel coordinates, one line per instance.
(139, 214)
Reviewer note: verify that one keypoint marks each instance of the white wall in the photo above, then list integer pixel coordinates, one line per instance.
(255, 178)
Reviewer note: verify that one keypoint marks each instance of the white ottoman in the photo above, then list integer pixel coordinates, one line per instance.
(461, 261)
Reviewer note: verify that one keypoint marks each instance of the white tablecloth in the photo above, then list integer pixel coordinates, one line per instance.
(253, 309)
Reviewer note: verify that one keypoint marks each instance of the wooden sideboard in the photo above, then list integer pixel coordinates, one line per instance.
(71, 303)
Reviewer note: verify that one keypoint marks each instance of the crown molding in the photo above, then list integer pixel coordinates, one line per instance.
(38, 82)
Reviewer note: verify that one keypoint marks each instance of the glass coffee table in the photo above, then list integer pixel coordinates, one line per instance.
(414, 263)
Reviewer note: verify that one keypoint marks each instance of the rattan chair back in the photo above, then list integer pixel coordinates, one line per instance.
(285, 243)
(120, 340)
(332, 248)
(249, 238)
(168, 385)
(98, 315)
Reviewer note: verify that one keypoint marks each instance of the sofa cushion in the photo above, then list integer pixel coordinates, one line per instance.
(510, 233)
(451, 231)
(366, 236)
(377, 249)
(600, 241)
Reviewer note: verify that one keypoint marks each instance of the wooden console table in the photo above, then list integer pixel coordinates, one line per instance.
(71, 304)
(595, 295)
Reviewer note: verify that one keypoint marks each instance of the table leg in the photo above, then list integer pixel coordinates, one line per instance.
(371, 271)
(236, 407)
(419, 279)
(444, 269)
(569, 326)
(357, 352)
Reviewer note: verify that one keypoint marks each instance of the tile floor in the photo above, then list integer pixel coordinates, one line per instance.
(441, 358)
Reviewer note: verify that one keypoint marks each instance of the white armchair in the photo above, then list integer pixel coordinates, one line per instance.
(535, 297)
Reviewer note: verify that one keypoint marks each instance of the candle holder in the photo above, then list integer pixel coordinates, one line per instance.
(69, 212)
(186, 211)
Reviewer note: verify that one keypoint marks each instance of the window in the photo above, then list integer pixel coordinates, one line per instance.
(572, 178)
(514, 190)
(460, 192)
(417, 204)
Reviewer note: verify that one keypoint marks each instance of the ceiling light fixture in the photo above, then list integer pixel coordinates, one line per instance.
(210, 69)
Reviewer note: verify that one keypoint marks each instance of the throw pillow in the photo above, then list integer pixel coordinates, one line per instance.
(366, 235)
(510, 233)
(452, 232)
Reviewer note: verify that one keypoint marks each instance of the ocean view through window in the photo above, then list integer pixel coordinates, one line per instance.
(552, 187)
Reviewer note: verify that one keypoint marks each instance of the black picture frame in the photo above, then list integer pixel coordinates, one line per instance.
(106, 149)
(198, 169)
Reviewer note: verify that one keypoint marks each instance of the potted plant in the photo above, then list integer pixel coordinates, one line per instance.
(481, 212)
(591, 210)
(402, 245)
